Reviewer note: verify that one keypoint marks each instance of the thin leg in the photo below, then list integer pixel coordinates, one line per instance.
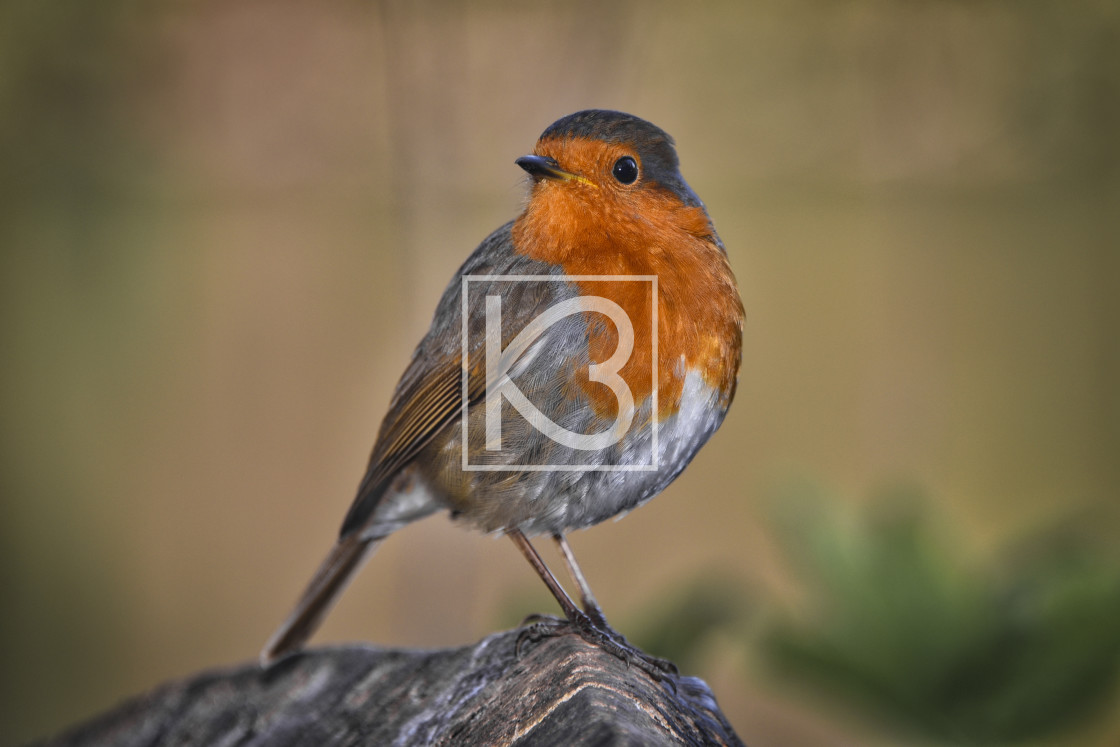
(571, 611)
(581, 623)
(590, 604)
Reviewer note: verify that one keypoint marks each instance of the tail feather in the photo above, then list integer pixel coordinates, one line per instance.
(348, 555)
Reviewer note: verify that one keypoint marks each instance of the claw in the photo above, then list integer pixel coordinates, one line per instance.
(601, 635)
(537, 617)
(527, 632)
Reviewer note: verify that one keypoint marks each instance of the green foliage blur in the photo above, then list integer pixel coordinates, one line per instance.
(902, 620)
(681, 627)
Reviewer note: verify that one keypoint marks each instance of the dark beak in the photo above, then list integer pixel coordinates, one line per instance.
(543, 167)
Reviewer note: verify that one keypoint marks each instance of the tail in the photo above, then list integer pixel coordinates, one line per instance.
(346, 557)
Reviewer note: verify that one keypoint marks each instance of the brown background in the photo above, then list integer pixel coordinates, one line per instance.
(225, 225)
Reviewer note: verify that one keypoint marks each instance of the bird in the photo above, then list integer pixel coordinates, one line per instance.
(574, 366)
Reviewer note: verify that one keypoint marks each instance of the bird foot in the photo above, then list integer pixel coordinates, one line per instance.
(598, 633)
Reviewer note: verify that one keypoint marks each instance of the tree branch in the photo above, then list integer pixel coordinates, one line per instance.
(561, 690)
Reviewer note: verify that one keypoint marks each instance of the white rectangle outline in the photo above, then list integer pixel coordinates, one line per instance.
(468, 467)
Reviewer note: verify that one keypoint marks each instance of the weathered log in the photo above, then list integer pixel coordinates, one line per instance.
(560, 690)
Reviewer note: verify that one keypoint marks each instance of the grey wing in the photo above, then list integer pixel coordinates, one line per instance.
(429, 396)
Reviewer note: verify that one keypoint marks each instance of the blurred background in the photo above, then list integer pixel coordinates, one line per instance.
(223, 227)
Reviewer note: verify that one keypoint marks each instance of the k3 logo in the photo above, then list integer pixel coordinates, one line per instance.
(503, 364)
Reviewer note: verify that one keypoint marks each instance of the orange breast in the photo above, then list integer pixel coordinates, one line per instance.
(591, 231)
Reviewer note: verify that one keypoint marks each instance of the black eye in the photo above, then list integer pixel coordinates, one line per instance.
(625, 170)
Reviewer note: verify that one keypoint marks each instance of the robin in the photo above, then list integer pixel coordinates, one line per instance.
(575, 365)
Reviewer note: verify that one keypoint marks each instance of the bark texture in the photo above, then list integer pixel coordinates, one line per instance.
(560, 690)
